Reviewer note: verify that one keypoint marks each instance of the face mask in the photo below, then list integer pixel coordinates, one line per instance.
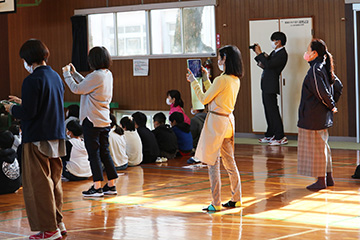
(28, 68)
(273, 45)
(193, 112)
(309, 57)
(221, 67)
(168, 101)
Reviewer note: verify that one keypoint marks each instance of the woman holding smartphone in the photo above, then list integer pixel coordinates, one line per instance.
(217, 137)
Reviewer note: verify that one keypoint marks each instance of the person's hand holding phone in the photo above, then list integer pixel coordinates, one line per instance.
(190, 76)
(15, 99)
(205, 74)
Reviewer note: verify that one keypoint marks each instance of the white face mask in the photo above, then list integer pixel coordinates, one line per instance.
(168, 101)
(221, 67)
(28, 68)
(273, 44)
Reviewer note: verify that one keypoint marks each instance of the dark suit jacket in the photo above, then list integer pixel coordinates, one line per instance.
(273, 65)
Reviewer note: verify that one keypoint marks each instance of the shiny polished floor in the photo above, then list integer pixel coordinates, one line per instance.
(164, 201)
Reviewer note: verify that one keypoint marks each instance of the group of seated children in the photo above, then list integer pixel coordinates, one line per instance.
(10, 179)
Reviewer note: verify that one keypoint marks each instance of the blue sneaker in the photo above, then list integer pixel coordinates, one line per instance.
(193, 160)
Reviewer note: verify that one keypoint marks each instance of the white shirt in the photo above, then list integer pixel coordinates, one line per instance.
(133, 147)
(78, 163)
(117, 147)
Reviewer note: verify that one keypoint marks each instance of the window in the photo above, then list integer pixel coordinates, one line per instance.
(131, 33)
(182, 29)
(102, 31)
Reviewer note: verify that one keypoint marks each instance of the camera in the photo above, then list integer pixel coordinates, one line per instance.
(253, 46)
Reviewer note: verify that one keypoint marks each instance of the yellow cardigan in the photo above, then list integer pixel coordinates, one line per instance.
(221, 98)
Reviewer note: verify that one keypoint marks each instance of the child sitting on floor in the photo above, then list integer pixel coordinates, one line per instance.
(133, 142)
(182, 132)
(165, 138)
(10, 180)
(150, 148)
(76, 165)
(117, 145)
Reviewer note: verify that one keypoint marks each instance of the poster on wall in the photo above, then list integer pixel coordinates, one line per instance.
(7, 6)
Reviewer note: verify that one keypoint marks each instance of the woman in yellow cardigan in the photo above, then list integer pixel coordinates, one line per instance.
(217, 137)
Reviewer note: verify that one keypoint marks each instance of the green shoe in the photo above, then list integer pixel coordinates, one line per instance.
(231, 204)
(212, 208)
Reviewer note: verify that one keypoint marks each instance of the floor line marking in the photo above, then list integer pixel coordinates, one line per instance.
(295, 234)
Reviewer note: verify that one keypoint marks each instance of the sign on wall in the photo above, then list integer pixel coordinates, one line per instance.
(7, 6)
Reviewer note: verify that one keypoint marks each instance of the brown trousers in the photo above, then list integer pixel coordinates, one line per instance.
(43, 196)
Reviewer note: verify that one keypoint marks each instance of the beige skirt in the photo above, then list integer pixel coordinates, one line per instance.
(314, 155)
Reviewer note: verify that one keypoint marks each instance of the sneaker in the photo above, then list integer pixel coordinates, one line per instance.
(278, 142)
(109, 190)
(231, 204)
(193, 160)
(92, 192)
(161, 159)
(55, 235)
(212, 208)
(62, 228)
(266, 139)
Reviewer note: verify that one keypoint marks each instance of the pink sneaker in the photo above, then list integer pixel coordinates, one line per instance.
(278, 142)
(56, 235)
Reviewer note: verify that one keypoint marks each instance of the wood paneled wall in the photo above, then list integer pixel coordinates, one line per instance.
(4, 58)
(50, 22)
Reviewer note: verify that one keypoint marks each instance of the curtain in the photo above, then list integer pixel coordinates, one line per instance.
(80, 43)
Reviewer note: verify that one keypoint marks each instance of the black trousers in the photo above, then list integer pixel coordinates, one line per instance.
(272, 114)
(97, 146)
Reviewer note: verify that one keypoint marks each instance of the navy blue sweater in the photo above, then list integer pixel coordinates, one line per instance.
(42, 109)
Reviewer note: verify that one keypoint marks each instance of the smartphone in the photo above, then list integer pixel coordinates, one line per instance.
(4, 102)
(195, 67)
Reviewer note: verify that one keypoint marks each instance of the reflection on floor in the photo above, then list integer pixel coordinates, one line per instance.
(164, 201)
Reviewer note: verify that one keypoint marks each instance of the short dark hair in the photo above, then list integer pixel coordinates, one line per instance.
(99, 58)
(177, 95)
(6, 139)
(140, 119)
(14, 129)
(233, 62)
(34, 51)
(75, 127)
(178, 117)
(127, 123)
(279, 36)
(74, 110)
(160, 118)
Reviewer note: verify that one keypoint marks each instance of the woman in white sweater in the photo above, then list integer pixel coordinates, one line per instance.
(96, 91)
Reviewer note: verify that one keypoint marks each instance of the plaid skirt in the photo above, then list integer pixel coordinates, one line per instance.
(314, 155)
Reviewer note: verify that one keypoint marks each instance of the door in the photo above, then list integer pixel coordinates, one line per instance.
(299, 34)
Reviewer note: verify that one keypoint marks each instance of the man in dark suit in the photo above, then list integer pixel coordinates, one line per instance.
(272, 66)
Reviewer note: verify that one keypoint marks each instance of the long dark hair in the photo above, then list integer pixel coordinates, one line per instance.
(176, 94)
(320, 47)
(113, 123)
(233, 63)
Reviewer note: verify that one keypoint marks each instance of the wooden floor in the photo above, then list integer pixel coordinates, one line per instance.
(164, 201)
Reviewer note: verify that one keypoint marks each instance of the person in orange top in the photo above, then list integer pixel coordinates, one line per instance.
(217, 136)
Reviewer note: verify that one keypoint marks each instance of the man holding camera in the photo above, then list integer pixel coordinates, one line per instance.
(272, 66)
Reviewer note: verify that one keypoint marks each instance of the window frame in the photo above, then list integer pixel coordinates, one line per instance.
(147, 8)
